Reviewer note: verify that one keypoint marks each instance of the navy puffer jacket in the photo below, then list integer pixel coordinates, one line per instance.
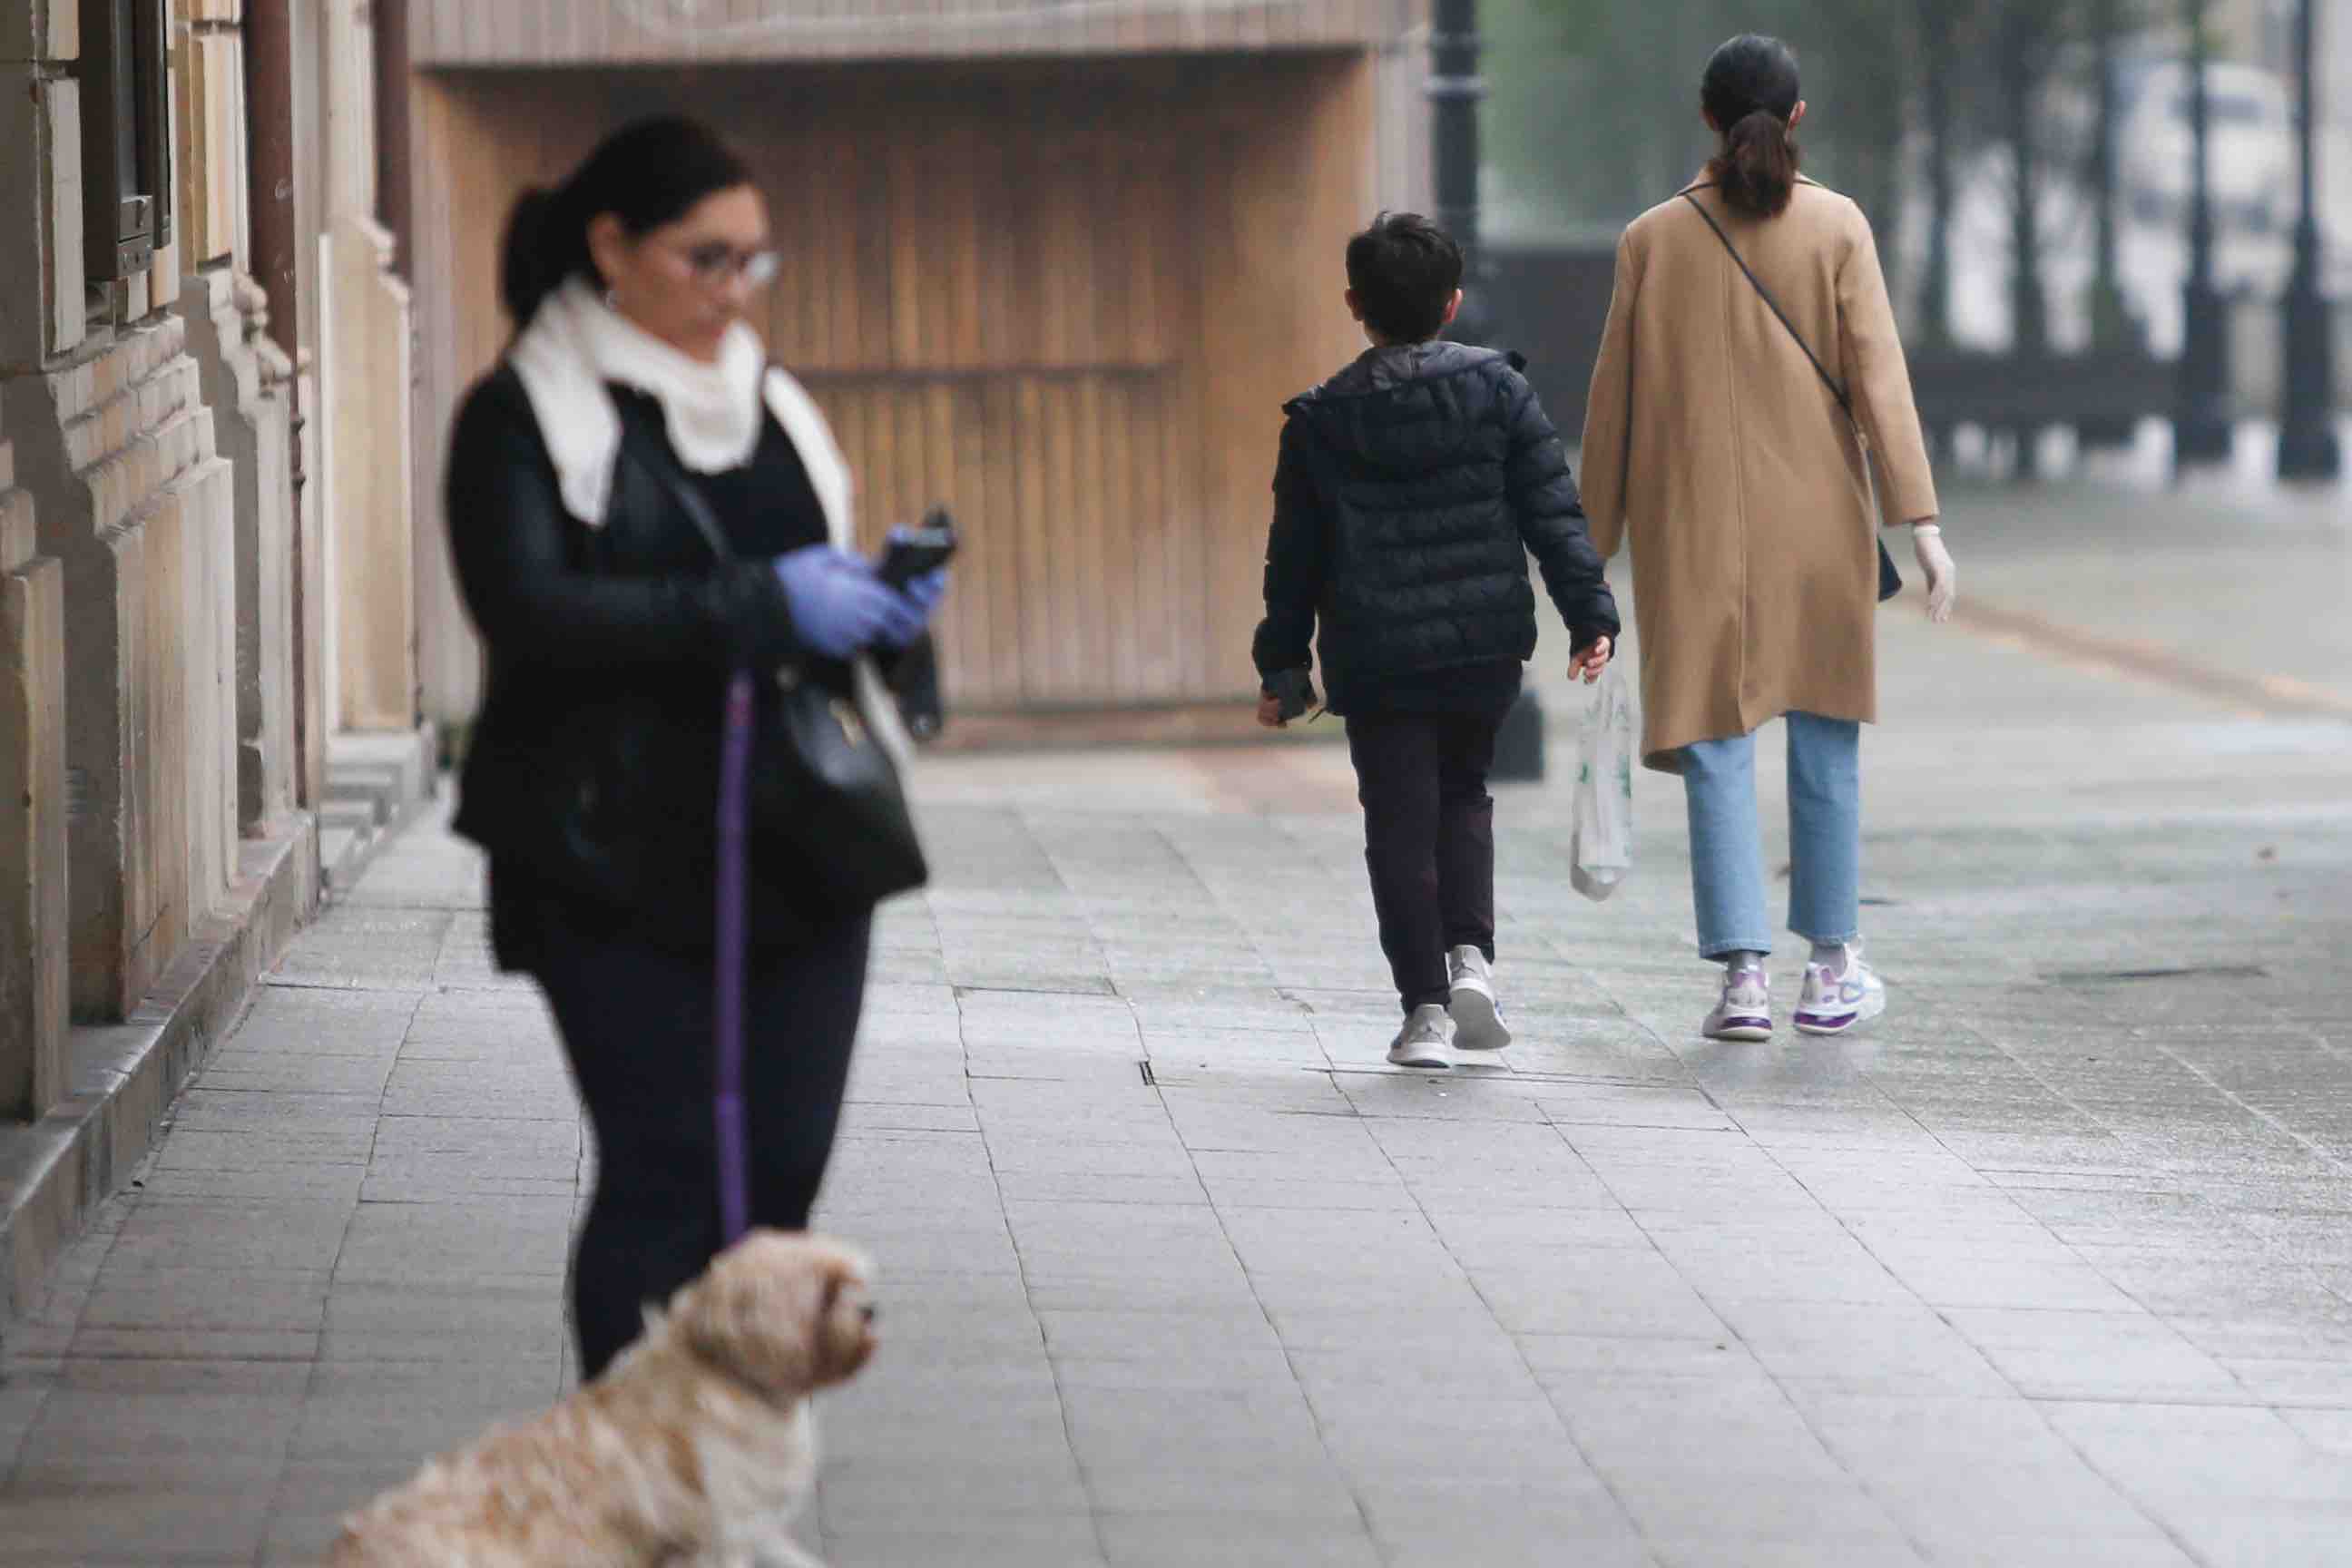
(1410, 489)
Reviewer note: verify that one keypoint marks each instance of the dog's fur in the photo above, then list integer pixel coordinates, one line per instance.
(693, 1449)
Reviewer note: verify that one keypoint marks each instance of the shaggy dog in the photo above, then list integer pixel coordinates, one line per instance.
(694, 1448)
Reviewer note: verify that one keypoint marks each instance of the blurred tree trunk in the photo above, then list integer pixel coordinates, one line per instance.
(1933, 60)
(1863, 123)
(2109, 327)
(2024, 47)
(2024, 58)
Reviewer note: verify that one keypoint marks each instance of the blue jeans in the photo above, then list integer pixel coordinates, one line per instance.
(1824, 836)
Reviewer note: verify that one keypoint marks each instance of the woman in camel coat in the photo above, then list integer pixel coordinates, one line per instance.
(1715, 446)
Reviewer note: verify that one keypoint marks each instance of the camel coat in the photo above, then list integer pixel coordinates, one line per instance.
(1711, 443)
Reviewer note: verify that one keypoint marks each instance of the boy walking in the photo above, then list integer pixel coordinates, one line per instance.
(1411, 488)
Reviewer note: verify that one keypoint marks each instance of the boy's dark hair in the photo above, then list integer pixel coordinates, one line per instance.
(1404, 270)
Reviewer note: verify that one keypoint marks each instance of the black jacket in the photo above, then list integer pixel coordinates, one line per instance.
(591, 773)
(1411, 488)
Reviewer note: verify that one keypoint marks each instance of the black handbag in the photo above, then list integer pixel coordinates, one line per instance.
(828, 818)
(1890, 581)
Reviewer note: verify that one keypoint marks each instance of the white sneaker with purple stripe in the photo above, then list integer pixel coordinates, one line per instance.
(1745, 1012)
(1840, 997)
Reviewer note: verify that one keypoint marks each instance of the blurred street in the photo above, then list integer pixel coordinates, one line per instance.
(2053, 1265)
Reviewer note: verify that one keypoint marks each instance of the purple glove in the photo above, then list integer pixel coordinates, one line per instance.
(839, 607)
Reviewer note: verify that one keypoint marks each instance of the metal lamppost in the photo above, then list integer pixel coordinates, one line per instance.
(2112, 328)
(2307, 444)
(1455, 89)
(2200, 422)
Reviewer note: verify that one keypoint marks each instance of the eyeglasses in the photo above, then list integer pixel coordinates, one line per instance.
(717, 262)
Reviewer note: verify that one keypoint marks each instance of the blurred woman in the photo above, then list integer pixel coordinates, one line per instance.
(1749, 368)
(634, 418)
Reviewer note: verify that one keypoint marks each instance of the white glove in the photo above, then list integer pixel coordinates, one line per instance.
(1936, 565)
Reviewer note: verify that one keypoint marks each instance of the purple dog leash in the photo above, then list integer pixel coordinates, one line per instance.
(734, 770)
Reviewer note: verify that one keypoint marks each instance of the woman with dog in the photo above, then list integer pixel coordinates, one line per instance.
(634, 420)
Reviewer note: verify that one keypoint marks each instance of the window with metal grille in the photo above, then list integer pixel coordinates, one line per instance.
(126, 136)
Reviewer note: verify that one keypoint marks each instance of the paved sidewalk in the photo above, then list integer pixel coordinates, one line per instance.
(2053, 1267)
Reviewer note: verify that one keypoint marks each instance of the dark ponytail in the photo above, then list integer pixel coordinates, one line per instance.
(646, 175)
(535, 258)
(1750, 92)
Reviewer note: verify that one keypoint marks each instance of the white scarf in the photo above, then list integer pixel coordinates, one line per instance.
(713, 413)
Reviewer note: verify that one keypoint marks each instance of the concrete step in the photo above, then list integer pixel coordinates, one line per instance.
(378, 789)
(375, 783)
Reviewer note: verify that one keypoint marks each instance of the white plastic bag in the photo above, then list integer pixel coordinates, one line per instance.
(1602, 844)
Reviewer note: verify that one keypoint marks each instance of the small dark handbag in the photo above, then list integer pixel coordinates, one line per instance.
(827, 816)
(1890, 581)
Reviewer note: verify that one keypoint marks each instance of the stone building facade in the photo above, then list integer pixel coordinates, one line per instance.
(175, 665)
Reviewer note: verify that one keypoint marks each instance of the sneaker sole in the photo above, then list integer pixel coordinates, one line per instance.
(1478, 1023)
(1742, 1031)
(1427, 1063)
(1823, 1025)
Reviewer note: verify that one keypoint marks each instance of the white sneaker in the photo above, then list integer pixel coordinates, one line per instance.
(1745, 1012)
(1838, 997)
(1425, 1041)
(1478, 1023)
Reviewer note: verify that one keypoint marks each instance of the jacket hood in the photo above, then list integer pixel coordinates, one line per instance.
(1405, 405)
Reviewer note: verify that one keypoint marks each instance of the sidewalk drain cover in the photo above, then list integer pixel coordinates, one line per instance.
(2186, 971)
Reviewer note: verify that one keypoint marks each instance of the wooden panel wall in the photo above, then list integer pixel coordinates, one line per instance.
(1068, 302)
(595, 32)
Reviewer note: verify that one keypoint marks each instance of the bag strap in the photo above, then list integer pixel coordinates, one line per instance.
(690, 500)
(1890, 582)
(1837, 388)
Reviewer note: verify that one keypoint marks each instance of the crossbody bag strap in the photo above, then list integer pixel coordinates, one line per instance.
(691, 500)
(1837, 388)
(1890, 582)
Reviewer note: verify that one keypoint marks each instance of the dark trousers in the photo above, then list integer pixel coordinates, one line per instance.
(636, 1023)
(1429, 839)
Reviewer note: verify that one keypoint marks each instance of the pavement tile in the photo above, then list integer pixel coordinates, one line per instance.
(513, 1237)
(284, 1233)
(445, 1324)
(876, 1494)
(1806, 1550)
(2095, 1355)
(1152, 1541)
(125, 1520)
(1501, 1543)
(1298, 1491)
(985, 1543)
(1864, 1349)
(206, 1149)
(1097, 1333)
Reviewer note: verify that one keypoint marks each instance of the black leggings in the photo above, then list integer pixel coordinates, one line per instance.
(636, 1024)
